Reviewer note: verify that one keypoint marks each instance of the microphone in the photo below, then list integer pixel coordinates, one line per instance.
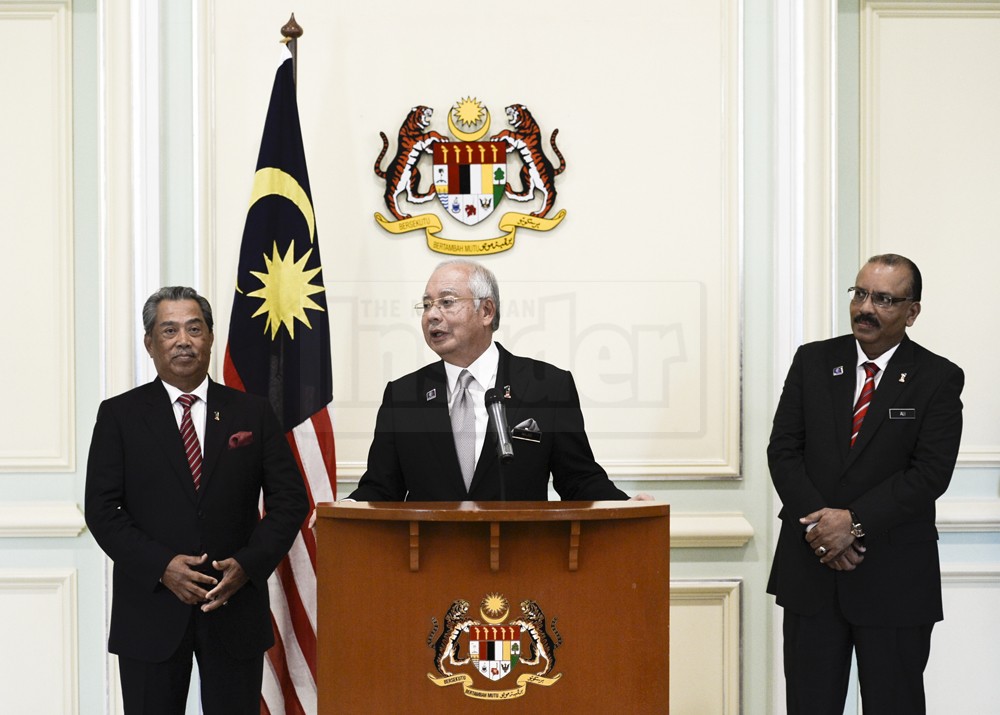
(498, 418)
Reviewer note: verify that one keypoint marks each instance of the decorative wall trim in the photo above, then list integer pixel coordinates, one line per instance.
(978, 457)
(21, 520)
(968, 516)
(687, 649)
(709, 530)
(41, 438)
(116, 198)
(29, 598)
(980, 573)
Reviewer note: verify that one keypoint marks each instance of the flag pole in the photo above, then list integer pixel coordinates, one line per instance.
(292, 31)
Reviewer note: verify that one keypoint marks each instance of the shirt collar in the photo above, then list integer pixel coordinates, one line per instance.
(484, 369)
(201, 392)
(882, 360)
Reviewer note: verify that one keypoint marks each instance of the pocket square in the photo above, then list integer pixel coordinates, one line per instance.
(527, 430)
(240, 439)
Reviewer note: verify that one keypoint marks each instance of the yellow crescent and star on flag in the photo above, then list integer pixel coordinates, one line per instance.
(470, 176)
(286, 281)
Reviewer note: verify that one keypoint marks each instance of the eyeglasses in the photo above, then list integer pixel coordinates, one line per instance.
(883, 301)
(448, 304)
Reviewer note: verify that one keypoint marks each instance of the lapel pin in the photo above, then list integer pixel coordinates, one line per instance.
(506, 392)
(902, 377)
(838, 371)
(431, 394)
(216, 416)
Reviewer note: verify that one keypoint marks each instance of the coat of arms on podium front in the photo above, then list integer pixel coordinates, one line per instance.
(470, 174)
(479, 654)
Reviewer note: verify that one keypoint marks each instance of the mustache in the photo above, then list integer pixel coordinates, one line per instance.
(867, 319)
(184, 353)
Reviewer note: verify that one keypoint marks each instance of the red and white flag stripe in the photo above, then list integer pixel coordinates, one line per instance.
(289, 685)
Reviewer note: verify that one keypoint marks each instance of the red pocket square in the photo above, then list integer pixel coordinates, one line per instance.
(240, 439)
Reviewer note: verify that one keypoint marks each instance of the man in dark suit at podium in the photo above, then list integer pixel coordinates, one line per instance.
(432, 438)
(856, 564)
(175, 473)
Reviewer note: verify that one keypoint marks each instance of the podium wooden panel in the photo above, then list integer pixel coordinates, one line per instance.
(599, 571)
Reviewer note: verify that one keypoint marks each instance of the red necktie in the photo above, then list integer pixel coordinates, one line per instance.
(191, 445)
(861, 408)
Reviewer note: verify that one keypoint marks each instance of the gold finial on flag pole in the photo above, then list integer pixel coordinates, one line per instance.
(292, 31)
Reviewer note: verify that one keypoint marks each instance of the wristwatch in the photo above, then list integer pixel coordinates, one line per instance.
(857, 531)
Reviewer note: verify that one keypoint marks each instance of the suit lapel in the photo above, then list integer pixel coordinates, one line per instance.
(432, 393)
(163, 424)
(218, 422)
(509, 374)
(842, 371)
(890, 387)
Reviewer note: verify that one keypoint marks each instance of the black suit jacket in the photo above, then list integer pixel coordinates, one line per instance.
(142, 508)
(412, 456)
(900, 464)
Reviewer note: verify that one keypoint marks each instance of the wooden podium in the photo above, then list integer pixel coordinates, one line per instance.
(450, 607)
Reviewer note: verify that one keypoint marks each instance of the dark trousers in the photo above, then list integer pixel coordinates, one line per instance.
(229, 686)
(891, 664)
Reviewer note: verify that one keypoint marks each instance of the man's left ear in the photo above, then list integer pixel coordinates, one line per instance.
(489, 309)
(912, 315)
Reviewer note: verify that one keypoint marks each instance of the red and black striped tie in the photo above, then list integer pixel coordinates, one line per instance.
(191, 445)
(861, 408)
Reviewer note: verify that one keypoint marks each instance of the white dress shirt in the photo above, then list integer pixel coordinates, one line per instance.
(859, 372)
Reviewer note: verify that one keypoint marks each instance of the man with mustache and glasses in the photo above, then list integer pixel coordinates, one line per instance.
(864, 440)
(422, 451)
(174, 479)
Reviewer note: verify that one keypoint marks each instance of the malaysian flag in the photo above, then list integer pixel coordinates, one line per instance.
(279, 346)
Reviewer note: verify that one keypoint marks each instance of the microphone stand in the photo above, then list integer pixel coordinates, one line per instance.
(505, 451)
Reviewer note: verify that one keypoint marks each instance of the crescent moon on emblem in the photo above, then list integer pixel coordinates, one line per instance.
(469, 136)
(494, 621)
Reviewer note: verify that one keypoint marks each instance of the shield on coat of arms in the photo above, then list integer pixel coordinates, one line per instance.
(469, 178)
(495, 650)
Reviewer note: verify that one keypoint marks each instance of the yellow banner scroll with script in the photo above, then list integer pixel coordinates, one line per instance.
(431, 224)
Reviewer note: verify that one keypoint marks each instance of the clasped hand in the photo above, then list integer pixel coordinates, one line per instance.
(194, 587)
(831, 539)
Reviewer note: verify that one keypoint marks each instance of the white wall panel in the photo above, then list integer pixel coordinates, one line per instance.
(705, 647)
(38, 628)
(36, 203)
(961, 674)
(931, 178)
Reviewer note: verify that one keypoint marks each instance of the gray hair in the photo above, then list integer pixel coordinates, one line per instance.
(482, 284)
(173, 293)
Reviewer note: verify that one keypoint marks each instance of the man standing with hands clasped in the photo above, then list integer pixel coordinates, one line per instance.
(864, 441)
(174, 479)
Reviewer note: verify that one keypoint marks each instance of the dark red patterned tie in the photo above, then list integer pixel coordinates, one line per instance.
(191, 445)
(861, 408)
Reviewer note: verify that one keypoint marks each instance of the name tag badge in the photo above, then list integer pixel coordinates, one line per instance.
(902, 413)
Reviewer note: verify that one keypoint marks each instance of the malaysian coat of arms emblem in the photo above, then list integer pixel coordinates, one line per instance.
(469, 176)
(494, 648)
